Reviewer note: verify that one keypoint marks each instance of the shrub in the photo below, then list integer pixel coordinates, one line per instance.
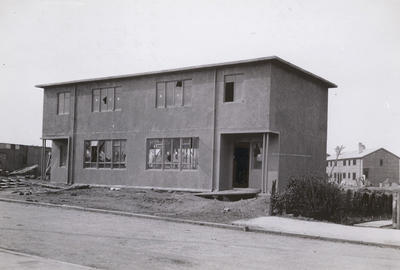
(319, 199)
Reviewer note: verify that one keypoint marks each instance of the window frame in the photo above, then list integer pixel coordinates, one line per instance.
(232, 95)
(63, 155)
(237, 80)
(181, 165)
(63, 111)
(182, 88)
(116, 100)
(113, 164)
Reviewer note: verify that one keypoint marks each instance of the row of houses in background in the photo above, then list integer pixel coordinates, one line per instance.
(376, 167)
(17, 156)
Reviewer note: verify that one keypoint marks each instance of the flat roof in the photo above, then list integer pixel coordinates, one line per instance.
(254, 60)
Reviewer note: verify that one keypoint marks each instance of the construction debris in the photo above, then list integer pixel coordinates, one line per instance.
(73, 187)
(25, 170)
(11, 182)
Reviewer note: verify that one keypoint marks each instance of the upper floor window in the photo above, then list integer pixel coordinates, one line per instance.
(174, 94)
(106, 99)
(354, 162)
(344, 162)
(381, 162)
(231, 87)
(63, 102)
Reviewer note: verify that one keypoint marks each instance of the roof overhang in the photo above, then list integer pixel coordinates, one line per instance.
(248, 61)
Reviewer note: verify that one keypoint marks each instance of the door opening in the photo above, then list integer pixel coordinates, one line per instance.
(241, 165)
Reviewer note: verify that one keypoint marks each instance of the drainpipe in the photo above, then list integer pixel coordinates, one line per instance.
(43, 161)
(213, 176)
(73, 136)
(264, 173)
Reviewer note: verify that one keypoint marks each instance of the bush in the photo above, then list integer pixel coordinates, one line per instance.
(319, 199)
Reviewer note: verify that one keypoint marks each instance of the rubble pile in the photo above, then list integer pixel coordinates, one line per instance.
(12, 182)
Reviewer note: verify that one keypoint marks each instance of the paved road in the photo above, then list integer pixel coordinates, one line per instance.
(115, 242)
(18, 261)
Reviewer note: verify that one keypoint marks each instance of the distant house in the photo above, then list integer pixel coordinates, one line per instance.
(374, 166)
(17, 156)
(212, 127)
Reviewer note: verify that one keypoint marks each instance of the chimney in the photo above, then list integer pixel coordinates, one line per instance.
(361, 147)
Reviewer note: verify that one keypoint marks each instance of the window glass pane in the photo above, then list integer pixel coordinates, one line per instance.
(154, 153)
(66, 102)
(63, 155)
(103, 100)
(170, 93)
(160, 95)
(186, 150)
(118, 98)
(176, 143)
(195, 153)
(190, 153)
(178, 93)
(96, 100)
(187, 93)
(110, 99)
(123, 153)
(107, 151)
(87, 152)
(257, 155)
(229, 92)
(102, 153)
(93, 145)
(167, 153)
(171, 153)
(116, 151)
(60, 103)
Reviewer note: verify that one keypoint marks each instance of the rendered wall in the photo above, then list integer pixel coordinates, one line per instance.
(139, 120)
(299, 114)
(249, 113)
(295, 105)
(389, 169)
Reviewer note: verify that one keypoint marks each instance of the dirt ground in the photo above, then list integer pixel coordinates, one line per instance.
(161, 203)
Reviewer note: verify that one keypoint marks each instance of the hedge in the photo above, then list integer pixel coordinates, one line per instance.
(320, 199)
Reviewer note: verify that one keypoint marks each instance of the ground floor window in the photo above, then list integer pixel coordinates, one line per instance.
(172, 153)
(104, 154)
(63, 155)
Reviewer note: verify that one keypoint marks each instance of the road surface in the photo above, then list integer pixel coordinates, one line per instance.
(116, 242)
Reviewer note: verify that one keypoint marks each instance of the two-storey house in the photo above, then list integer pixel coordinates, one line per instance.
(365, 166)
(202, 128)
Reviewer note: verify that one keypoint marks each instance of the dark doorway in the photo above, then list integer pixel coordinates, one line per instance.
(365, 172)
(241, 166)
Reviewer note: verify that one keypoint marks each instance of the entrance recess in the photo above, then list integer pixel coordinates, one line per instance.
(241, 165)
(248, 160)
(60, 160)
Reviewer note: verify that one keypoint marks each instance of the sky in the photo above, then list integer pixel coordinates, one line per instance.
(355, 44)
